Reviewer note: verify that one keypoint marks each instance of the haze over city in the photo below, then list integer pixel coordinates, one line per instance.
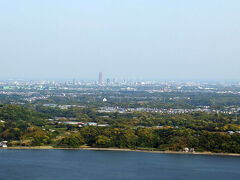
(137, 39)
(120, 89)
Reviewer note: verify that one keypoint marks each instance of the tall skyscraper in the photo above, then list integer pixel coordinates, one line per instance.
(101, 78)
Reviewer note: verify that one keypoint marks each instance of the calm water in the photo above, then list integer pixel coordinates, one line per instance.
(110, 165)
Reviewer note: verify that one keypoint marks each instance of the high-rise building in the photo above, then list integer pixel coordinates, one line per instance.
(101, 78)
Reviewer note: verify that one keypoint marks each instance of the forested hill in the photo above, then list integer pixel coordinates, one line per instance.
(38, 126)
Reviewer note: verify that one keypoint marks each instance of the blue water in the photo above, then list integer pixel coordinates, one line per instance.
(111, 165)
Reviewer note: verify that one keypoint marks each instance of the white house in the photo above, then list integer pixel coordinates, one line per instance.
(3, 144)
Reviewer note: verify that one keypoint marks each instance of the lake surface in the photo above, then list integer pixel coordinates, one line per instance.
(111, 165)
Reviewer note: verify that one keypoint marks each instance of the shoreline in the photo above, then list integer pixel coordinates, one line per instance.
(118, 149)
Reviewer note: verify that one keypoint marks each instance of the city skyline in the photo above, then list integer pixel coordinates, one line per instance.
(114, 79)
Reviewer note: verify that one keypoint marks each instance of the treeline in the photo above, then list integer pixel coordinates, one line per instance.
(16, 120)
(160, 139)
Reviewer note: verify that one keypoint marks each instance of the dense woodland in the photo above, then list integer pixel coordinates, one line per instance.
(30, 126)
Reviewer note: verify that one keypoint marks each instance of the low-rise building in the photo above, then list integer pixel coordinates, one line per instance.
(3, 144)
(230, 132)
(103, 125)
(90, 124)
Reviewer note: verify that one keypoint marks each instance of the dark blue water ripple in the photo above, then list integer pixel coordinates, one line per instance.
(111, 165)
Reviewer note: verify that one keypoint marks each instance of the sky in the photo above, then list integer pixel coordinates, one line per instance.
(131, 39)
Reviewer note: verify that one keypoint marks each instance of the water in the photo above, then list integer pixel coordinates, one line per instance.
(111, 165)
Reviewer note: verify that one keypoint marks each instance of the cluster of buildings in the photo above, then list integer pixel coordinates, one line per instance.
(61, 106)
(190, 150)
(92, 91)
(73, 121)
(101, 80)
(166, 111)
(233, 132)
(81, 124)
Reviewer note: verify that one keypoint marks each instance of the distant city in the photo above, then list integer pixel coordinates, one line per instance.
(115, 93)
(103, 80)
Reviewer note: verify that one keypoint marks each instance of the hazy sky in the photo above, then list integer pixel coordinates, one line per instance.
(140, 39)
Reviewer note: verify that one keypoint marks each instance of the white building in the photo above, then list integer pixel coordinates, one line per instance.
(104, 100)
(90, 124)
(103, 125)
(3, 144)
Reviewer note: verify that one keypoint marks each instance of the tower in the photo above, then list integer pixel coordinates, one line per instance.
(101, 78)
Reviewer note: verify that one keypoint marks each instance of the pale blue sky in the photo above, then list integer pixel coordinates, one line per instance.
(139, 39)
